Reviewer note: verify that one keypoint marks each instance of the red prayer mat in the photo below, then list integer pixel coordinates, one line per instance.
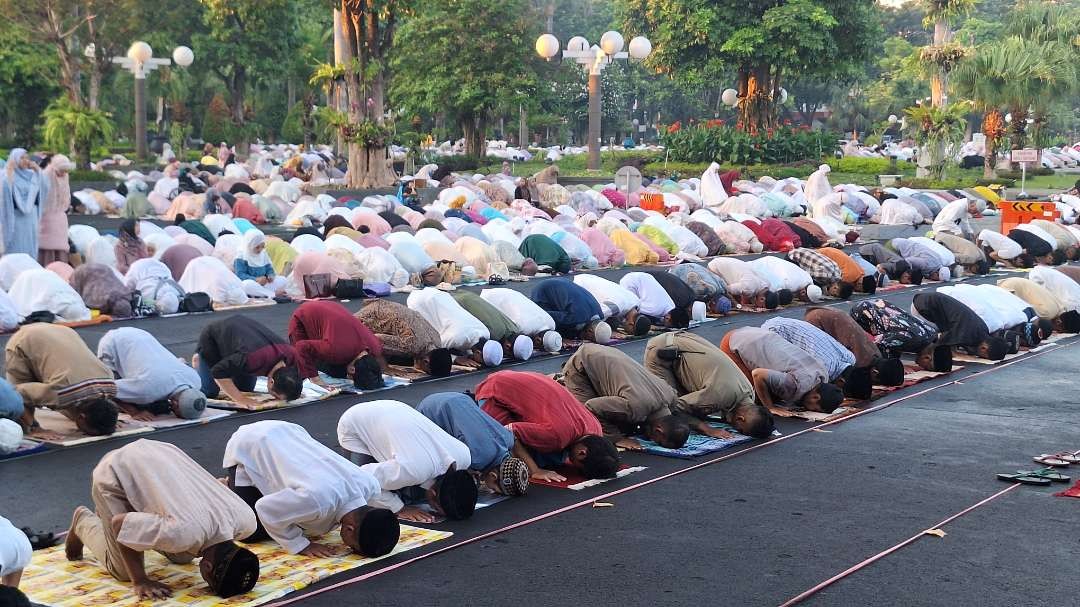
(1073, 491)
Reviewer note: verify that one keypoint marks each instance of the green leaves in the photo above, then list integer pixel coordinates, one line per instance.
(710, 143)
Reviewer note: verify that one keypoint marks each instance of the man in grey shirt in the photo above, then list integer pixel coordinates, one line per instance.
(780, 371)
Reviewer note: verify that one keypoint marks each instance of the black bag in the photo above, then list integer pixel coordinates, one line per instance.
(196, 302)
(349, 288)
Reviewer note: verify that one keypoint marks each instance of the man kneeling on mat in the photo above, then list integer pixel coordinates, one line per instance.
(707, 383)
(840, 326)
(781, 372)
(551, 428)
(488, 441)
(151, 496)
(625, 397)
(297, 485)
(414, 460)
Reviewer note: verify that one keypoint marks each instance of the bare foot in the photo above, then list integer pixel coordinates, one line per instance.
(73, 546)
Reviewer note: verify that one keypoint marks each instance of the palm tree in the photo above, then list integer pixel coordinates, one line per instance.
(69, 127)
(998, 76)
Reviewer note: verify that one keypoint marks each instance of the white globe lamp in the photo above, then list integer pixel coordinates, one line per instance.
(183, 56)
(611, 42)
(140, 52)
(640, 48)
(547, 46)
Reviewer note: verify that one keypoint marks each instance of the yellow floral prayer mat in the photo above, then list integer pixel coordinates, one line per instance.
(52, 580)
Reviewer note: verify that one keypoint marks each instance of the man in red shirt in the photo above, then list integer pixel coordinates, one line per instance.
(549, 425)
(335, 342)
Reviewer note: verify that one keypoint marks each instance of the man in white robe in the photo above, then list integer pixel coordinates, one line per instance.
(298, 487)
(15, 553)
(412, 458)
(458, 330)
(1064, 288)
(619, 303)
(783, 275)
(955, 218)
(743, 283)
(150, 379)
(209, 275)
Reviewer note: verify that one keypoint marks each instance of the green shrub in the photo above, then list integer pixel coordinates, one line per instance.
(869, 166)
(1031, 172)
(709, 143)
(218, 124)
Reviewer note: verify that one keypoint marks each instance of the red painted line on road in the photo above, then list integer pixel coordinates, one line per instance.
(675, 473)
(884, 553)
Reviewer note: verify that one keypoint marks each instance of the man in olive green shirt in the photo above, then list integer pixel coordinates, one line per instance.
(708, 383)
(624, 397)
(499, 326)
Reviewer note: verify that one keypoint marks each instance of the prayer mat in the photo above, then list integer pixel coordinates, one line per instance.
(1073, 491)
(345, 385)
(69, 435)
(892, 287)
(252, 303)
(51, 579)
(411, 374)
(483, 500)
(26, 447)
(169, 420)
(698, 444)
(815, 416)
(967, 358)
(309, 394)
(97, 320)
(913, 375)
(575, 481)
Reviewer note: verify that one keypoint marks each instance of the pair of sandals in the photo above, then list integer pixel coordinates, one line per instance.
(1047, 475)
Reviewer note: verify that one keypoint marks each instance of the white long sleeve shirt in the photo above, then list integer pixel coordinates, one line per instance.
(655, 301)
(1005, 247)
(458, 330)
(781, 273)
(608, 293)
(408, 448)
(15, 550)
(739, 275)
(529, 317)
(953, 218)
(306, 486)
(996, 312)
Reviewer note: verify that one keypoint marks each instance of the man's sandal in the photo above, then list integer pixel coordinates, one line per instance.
(1052, 459)
(1043, 476)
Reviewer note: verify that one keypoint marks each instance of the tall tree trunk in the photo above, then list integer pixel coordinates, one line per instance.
(370, 166)
(757, 108)
(236, 98)
(474, 129)
(94, 93)
(940, 78)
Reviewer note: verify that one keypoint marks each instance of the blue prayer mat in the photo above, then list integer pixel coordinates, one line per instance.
(698, 444)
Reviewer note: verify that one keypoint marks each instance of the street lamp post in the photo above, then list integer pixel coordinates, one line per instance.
(140, 61)
(594, 59)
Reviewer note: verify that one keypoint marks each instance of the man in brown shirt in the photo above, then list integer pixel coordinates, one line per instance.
(707, 383)
(50, 366)
(151, 496)
(883, 371)
(624, 397)
(407, 339)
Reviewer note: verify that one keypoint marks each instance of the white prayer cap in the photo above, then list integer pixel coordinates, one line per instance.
(602, 333)
(825, 168)
(493, 353)
(190, 403)
(11, 435)
(756, 247)
(523, 348)
(944, 274)
(697, 311)
(958, 272)
(813, 293)
(552, 342)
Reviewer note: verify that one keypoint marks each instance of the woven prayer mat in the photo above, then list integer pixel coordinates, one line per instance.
(252, 303)
(26, 447)
(169, 420)
(309, 394)
(69, 435)
(698, 444)
(52, 580)
(575, 481)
